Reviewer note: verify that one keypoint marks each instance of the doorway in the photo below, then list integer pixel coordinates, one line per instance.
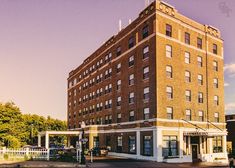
(194, 152)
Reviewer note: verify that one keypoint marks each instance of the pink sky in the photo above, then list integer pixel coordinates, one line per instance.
(42, 40)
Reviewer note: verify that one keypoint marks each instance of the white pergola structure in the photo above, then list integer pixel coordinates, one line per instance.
(48, 133)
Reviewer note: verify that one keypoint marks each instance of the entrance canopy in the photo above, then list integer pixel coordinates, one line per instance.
(203, 133)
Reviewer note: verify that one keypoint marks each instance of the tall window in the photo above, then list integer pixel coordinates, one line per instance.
(216, 84)
(215, 65)
(199, 43)
(216, 100)
(200, 116)
(131, 97)
(119, 101)
(132, 144)
(131, 60)
(187, 38)
(199, 61)
(187, 76)
(188, 115)
(131, 79)
(169, 112)
(146, 93)
(168, 51)
(145, 52)
(216, 116)
(169, 71)
(118, 52)
(200, 79)
(119, 82)
(187, 57)
(119, 117)
(119, 144)
(188, 95)
(131, 42)
(147, 151)
(215, 49)
(169, 92)
(217, 144)
(145, 31)
(169, 146)
(131, 115)
(200, 97)
(119, 67)
(146, 73)
(168, 30)
(146, 113)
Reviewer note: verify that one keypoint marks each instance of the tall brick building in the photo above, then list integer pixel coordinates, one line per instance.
(154, 91)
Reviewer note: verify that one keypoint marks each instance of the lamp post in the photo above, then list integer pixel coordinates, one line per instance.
(83, 159)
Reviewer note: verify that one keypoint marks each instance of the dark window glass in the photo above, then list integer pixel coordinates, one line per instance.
(168, 30)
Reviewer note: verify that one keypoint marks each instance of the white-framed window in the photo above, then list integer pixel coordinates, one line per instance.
(187, 76)
(131, 60)
(199, 61)
(216, 116)
(168, 51)
(216, 100)
(200, 115)
(169, 92)
(145, 52)
(188, 95)
(146, 93)
(119, 82)
(200, 97)
(215, 65)
(188, 114)
(187, 57)
(146, 113)
(119, 99)
(169, 71)
(131, 79)
(119, 117)
(216, 83)
(119, 67)
(169, 112)
(200, 79)
(131, 97)
(131, 115)
(146, 72)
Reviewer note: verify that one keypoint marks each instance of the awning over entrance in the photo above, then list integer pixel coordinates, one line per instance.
(203, 133)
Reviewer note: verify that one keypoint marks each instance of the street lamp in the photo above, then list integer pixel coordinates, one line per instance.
(83, 159)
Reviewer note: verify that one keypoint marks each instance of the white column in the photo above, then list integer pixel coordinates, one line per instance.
(39, 140)
(181, 141)
(138, 143)
(210, 145)
(155, 144)
(159, 145)
(189, 145)
(200, 144)
(47, 140)
(224, 144)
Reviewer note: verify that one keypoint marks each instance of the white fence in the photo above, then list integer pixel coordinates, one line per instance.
(24, 153)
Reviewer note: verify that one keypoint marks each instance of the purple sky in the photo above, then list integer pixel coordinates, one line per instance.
(42, 40)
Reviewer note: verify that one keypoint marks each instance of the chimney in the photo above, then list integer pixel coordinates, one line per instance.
(120, 25)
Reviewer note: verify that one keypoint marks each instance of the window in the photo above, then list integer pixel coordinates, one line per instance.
(200, 79)
(187, 76)
(119, 67)
(131, 145)
(168, 71)
(131, 115)
(200, 97)
(119, 117)
(119, 82)
(131, 79)
(169, 146)
(169, 112)
(216, 85)
(146, 52)
(168, 30)
(110, 119)
(199, 61)
(169, 92)
(131, 60)
(217, 144)
(146, 73)
(147, 146)
(215, 49)
(146, 93)
(146, 113)
(131, 42)
(188, 114)
(119, 101)
(106, 121)
(145, 31)
(131, 97)
(187, 38)
(168, 51)
(187, 57)
(200, 116)
(215, 65)
(216, 115)
(188, 95)
(216, 100)
(119, 144)
(118, 52)
(199, 43)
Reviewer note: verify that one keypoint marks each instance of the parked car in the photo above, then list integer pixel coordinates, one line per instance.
(97, 151)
